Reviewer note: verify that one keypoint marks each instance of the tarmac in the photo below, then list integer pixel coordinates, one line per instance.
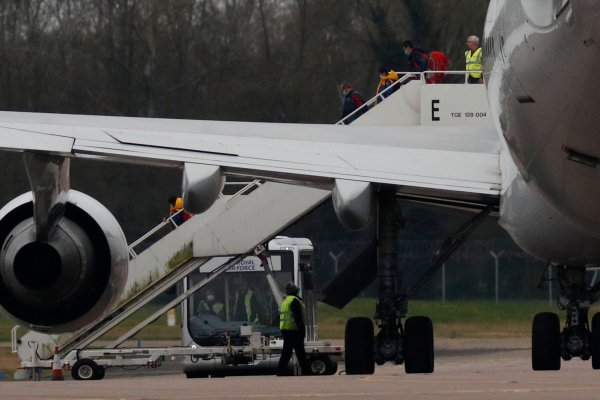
(465, 369)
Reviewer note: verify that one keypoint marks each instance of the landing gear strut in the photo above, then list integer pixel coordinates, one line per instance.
(411, 345)
(549, 344)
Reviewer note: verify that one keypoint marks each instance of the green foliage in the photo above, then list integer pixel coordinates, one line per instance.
(181, 256)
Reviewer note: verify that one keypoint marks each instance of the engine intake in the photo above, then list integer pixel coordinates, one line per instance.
(68, 281)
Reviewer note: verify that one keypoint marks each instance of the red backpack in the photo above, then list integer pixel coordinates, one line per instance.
(438, 61)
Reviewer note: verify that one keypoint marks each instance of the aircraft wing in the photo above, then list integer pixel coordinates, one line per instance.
(449, 162)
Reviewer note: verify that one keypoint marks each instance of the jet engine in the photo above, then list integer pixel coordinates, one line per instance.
(69, 280)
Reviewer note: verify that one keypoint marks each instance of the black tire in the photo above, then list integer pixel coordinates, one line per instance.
(418, 345)
(321, 365)
(545, 342)
(85, 370)
(595, 341)
(359, 339)
(196, 374)
(101, 372)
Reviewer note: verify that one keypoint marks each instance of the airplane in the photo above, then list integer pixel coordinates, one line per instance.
(63, 254)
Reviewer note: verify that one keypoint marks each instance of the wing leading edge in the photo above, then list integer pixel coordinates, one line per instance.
(451, 163)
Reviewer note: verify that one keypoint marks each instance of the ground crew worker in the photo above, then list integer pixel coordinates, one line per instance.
(474, 61)
(291, 324)
(245, 304)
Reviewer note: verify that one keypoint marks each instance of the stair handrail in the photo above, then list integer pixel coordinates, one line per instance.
(407, 76)
(373, 100)
(14, 348)
(170, 220)
(166, 221)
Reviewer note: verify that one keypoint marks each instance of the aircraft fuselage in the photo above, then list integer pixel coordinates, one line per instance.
(547, 114)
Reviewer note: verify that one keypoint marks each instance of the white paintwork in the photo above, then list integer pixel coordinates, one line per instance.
(253, 219)
(201, 186)
(233, 225)
(461, 105)
(402, 108)
(460, 159)
(543, 91)
(354, 203)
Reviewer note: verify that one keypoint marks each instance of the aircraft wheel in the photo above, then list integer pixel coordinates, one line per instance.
(595, 341)
(545, 342)
(86, 370)
(418, 345)
(321, 365)
(359, 340)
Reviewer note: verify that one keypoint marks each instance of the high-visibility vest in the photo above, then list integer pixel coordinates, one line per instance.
(286, 318)
(215, 307)
(248, 304)
(474, 63)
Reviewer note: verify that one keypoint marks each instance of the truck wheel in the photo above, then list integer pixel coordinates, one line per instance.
(196, 374)
(418, 345)
(85, 370)
(321, 365)
(359, 339)
(101, 372)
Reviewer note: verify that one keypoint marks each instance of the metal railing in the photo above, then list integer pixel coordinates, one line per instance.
(13, 339)
(247, 188)
(408, 76)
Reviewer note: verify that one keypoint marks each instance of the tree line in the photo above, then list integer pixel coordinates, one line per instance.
(252, 60)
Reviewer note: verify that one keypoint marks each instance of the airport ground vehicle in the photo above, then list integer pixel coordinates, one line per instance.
(289, 259)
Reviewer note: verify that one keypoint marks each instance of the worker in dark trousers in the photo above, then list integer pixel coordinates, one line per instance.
(291, 323)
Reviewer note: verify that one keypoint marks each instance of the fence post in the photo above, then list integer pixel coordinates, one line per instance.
(496, 266)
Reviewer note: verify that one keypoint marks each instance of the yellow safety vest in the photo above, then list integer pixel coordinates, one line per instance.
(286, 318)
(215, 307)
(248, 304)
(474, 62)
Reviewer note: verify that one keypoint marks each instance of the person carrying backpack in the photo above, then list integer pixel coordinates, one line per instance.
(351, 101)
(387, 78)
(438, 61)
(418, 60)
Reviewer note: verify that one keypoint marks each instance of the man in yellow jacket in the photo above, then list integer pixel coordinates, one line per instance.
(291, 324)
(474, 57)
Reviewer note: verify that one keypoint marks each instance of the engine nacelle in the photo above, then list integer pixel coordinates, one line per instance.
(72, 279)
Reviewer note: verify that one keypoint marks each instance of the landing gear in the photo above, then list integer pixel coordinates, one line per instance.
(412, 344)
(549, 344)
